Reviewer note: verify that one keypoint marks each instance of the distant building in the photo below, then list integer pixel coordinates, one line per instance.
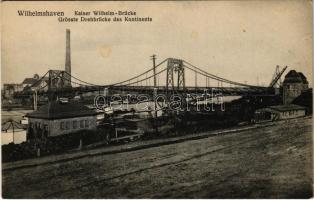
(294, 84)
(57, 118)
(10, 88)
(28, 82)
(279, 112)
(35, 83)
(41, 85)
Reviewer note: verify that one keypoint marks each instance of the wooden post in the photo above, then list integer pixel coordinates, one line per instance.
(155, 103)
(38, 152)
(155, 85)
(154, 68)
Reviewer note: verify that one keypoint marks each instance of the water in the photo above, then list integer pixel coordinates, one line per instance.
(150, 105)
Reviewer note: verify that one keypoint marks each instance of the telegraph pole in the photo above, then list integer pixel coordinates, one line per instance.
(153, 57)
(195, 79)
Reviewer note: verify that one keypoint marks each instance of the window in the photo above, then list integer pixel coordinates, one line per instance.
(81, 124)
(62, 125)
(86, 123)
(67, 125)
(74, 124)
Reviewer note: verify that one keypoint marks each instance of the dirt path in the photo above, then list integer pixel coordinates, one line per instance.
(270, 162)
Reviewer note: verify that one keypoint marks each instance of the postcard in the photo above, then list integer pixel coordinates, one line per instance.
(157, 99)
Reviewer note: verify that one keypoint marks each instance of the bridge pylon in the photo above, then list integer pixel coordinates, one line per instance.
(175, 66)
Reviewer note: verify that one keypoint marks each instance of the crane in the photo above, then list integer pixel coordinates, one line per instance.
(277, 76)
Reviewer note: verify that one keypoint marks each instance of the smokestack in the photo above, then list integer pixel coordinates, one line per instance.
(68, 59)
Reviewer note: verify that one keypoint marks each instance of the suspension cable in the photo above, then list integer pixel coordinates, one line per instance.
(139, 74)
(217, 77)
(145, 78)
(81, 80)
(204, 73)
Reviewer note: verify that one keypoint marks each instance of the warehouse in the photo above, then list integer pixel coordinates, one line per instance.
(279, 112)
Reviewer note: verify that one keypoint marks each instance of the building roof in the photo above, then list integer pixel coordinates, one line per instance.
(266, 110)
(37, 84)
(295, 77)
(288, 107)
(29, 81)
(304, 80)
(58, 110)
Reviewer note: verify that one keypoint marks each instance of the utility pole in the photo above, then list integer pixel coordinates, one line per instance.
(153, 57)
(195, 79)
(13, 130)
(35, 99)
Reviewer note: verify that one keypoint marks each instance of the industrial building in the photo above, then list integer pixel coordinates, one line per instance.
(10, 88)
(294, 84)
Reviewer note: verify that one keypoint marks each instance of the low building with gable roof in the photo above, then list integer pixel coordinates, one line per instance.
(59, 118)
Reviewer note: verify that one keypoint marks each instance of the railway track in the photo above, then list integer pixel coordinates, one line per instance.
(145, 146)
(81, 177)
(104, 179)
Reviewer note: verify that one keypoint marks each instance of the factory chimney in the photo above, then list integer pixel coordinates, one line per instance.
(68, 59)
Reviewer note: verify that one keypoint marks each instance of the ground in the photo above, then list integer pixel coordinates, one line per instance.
(16, 115)
(269, 162)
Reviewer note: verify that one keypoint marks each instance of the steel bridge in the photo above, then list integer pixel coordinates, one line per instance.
(167, 77)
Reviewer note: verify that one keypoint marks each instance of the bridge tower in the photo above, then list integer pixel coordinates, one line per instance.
(56, 79)
(175, 66)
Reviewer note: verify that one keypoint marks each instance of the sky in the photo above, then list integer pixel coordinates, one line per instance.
(241, 41)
